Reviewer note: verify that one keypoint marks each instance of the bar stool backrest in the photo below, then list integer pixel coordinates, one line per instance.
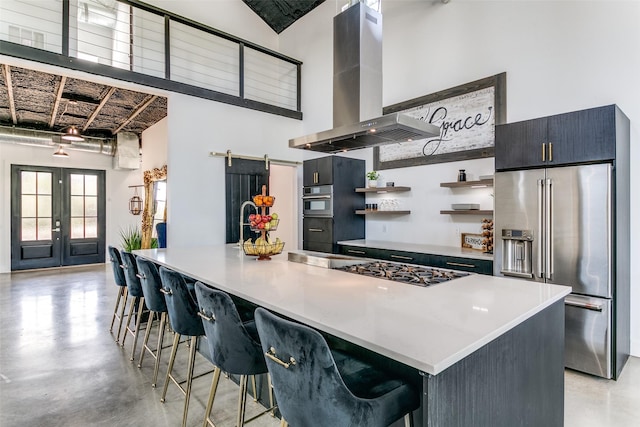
(231, 347)
(183, 310)
(151, 284)
(131, 274)
(116, 262)
(306, 381)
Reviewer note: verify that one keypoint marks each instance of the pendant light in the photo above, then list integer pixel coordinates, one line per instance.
(72, 134)
(135, 203)
(60, 152)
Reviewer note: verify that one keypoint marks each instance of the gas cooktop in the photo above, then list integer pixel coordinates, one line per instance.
(405, 273)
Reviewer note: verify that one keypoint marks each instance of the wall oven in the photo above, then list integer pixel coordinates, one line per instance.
(318, 201)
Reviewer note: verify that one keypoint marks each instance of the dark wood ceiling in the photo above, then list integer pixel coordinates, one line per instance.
(36, 100)
(279, 14)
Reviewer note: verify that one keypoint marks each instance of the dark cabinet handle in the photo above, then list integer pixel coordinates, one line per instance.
(550, 152)
(401, 257)
(457, 264)
(544, 151)
(353, 251)
(316, 230)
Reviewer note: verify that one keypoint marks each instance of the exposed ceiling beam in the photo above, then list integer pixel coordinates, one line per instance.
(6, 71)
(56, 104)
(95, 113)
(136, 112)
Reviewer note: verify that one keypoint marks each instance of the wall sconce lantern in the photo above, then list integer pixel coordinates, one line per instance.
(135, 203)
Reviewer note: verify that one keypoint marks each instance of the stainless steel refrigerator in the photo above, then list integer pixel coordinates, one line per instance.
(557, 225)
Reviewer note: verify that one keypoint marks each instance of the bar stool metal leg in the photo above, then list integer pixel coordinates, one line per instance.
(137, 331)
(172, 359)
(145, 340)
(253, 384)
(121, 315)
(408, 420)
(192, 360)
(212, 395)
(121, 292)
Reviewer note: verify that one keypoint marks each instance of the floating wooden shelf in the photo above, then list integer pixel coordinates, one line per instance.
(460, 184)
(468, 212)
(381, 189)
(377, 212)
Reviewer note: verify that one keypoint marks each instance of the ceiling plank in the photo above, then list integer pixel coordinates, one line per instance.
(6, 70)
(95, 113)
(136, 112)
(56, 104)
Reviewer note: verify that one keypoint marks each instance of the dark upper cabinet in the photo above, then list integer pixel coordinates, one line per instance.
(571, 138)
(318, 171)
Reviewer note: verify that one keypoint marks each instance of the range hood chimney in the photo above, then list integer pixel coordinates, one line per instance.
(357, 91)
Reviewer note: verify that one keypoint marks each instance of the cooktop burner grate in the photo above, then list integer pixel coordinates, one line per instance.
(405, 273)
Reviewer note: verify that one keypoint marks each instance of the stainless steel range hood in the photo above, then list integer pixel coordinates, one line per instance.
(357, 91)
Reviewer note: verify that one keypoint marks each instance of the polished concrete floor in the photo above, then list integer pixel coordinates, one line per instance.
(60, 366)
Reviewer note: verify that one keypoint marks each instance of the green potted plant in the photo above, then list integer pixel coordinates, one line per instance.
(132, 239)
(372, 179)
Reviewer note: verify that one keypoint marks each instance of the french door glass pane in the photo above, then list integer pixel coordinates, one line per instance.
(28, 229)
(77, 228)
(91, 206)
(77, 185)
(77, 206)
(44, 206)
(28, 206)
(28, 182)
(44, 228)
(90, 185)
(91, 227)
(44, 183)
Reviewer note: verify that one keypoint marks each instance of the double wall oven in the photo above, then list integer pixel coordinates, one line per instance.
(317, 201)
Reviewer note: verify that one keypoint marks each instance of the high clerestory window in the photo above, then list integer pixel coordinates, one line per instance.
(181, 55)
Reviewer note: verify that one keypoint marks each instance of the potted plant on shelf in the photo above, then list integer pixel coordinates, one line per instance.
(372, 179)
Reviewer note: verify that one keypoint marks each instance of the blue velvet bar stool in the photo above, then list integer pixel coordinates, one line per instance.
(121, 300)
(183, 316)
(234, 347)
(136, 303)
(314, 388)
(155, 302)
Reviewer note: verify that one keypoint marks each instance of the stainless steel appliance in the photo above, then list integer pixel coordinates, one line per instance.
(555, 225)
(406, 273)
(357, 91)
(318, 201)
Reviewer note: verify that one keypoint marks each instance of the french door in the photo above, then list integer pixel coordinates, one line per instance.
(57, 217)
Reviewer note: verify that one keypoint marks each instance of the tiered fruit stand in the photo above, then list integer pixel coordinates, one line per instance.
(263, 247)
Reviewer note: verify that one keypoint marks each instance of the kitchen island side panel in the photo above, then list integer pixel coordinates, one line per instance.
(515, 380)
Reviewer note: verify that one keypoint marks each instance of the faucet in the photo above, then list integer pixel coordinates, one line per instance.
(242, 206)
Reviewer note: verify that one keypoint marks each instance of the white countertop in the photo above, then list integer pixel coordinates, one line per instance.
(420, 248)
(429, 328)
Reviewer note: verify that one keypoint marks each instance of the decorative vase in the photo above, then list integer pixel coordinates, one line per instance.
(372, 183)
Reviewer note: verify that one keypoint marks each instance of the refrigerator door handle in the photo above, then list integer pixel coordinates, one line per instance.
(549, 231)
(540, 236)
(578, 304)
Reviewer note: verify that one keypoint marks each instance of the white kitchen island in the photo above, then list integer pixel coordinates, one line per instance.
(488, 351)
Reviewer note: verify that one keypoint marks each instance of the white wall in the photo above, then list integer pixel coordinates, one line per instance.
(559, 56)
(195, 184)
(154, 146)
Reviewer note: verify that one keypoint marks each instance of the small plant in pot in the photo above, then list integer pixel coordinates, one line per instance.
(372, 178)
(132, 239)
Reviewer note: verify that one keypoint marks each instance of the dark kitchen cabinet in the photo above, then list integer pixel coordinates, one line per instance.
(319, 171)
(572, 138)
(345, 171)
(344, 174)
